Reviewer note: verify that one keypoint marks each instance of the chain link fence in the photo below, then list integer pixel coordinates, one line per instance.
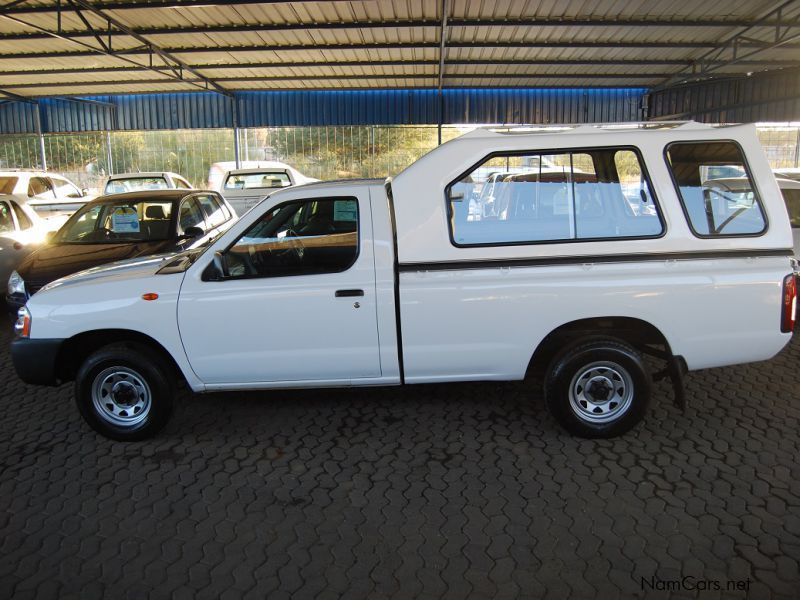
(202, 155)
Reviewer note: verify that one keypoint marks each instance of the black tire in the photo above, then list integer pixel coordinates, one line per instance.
(615, 395)
(143, 385)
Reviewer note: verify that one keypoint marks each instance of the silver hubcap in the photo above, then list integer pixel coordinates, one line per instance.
(121, 396)
(601, 392)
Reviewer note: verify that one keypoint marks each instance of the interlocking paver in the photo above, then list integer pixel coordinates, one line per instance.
(432, 492)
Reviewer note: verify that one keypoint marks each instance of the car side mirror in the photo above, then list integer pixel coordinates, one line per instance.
(193, 232)
(50, 236)
(217, 269)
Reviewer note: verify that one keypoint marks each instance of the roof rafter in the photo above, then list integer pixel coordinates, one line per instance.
(411, 24)
(175, 67)
(369, 77)
(164, 55)
(14, 8)
(728, 52)
(11, 96)
(143, 50)
(392, 63)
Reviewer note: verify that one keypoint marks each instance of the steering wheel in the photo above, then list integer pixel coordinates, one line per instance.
(295, 250)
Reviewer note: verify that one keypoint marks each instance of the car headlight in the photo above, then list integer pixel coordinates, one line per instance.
(16, 285)
(23, 325)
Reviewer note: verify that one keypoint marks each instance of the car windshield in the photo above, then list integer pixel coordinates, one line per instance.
(7, 184)
(123, 221)
(260, 180)
(134, 184)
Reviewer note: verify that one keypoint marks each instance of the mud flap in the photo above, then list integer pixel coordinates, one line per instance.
(677, 373)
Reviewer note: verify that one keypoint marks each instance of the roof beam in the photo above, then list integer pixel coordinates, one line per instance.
(13, 8)
(141, 51)
(10, 96)
(381, 76)
(389, 63)
(728, 52)
(165, 55)
(529, 23)
(90, 50)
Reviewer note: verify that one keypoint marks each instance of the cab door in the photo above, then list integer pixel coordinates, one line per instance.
(296, 301)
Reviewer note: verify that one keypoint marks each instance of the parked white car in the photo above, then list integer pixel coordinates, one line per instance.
(22, 230)
(151, 180)
(787, 173)
(738, 191)
(374, 283)
(51, 196)
(244, 188)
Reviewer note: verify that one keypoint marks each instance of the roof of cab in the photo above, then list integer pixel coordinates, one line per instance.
(143, 174)
(170, 194)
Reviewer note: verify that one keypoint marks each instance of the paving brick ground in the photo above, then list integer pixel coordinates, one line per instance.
(435, 491)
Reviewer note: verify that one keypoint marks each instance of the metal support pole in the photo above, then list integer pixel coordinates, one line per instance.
(236, 150)
(441, 116)
(109, 156)
(42, 153)
(797, 149)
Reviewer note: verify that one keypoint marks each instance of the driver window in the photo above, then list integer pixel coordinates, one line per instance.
(304, 237)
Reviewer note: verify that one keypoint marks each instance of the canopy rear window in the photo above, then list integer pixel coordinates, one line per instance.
(258, 181)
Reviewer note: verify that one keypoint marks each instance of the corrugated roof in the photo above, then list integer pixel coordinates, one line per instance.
(179, 45)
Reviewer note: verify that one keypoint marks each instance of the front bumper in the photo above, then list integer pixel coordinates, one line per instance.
(35, 360)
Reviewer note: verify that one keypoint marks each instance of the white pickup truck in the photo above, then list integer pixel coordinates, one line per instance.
(595, 245)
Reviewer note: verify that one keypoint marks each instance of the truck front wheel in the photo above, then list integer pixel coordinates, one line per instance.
(124, 393)
(598, 389)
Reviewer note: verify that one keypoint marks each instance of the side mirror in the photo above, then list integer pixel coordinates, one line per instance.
(193, 232)
(217, 269)
(84, 191)
(50, 236)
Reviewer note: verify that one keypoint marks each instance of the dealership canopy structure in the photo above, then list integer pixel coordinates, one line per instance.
(437, 60)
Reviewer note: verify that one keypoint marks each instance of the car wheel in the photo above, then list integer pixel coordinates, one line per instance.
(598, 389)
(124, 393)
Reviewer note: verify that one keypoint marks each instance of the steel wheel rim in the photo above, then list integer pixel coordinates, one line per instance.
(121, 396)
(601, 392)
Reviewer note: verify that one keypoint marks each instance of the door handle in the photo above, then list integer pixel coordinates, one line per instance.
(349, 293)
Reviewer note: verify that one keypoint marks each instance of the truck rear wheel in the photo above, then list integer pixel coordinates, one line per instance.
(598, 388)
(123, 392)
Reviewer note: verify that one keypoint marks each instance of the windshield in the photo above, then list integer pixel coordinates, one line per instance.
(134, 184)
(115, 222)
(260, 180)
(7, 184)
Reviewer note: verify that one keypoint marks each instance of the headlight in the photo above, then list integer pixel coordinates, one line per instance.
(23, 325)
(16, 285)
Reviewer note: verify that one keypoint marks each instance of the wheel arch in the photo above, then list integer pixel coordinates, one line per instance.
(644, 336)
(75, 350)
